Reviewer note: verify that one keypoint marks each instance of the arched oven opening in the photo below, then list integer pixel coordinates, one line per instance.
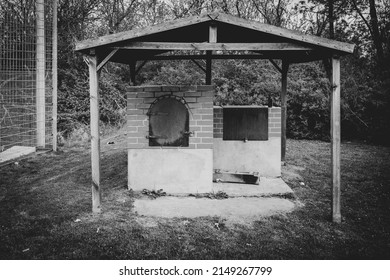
(169, 122)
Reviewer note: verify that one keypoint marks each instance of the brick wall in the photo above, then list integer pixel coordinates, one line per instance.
(199, 100)
(274, 122)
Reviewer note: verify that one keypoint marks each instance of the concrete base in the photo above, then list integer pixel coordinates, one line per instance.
(250, 156)
(176, 171)
(15, 152)
(267, 187)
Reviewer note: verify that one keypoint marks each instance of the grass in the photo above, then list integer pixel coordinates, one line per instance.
(41, 199)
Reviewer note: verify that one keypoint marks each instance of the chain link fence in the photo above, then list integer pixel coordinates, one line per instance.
(26, 73)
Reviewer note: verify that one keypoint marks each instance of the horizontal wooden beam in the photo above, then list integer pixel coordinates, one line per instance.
(215, 46)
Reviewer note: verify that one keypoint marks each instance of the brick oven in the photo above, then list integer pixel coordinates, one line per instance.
(177, 139)
(170, 138)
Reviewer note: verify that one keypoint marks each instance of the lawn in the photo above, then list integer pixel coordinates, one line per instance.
(45, 211)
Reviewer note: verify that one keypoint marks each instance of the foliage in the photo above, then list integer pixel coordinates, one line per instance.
(365, 79)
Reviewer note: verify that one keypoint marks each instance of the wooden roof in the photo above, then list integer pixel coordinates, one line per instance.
(257, 40)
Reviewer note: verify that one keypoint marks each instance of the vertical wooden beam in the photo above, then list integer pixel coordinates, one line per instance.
(283, 101)
(336, 138)
(95, 137)
(132, 72)
(40, 72)
(54, 79)
(212, 39)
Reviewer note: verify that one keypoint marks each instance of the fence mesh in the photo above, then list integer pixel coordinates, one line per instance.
(18, 70)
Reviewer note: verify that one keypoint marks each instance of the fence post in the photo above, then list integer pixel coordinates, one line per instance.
(40, 73)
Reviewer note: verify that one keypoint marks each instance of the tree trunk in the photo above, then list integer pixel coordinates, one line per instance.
(331, 19)
(375, 32)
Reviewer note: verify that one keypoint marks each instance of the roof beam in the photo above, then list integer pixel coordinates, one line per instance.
(215, 46)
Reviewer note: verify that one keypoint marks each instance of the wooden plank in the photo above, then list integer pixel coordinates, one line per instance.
(214, 46)
(283, 101)
(40, 73)
(287, 33)
(95, 137)
(336, 138)
(55, 76)
(213, 35)
(106, 59)
(131, 34)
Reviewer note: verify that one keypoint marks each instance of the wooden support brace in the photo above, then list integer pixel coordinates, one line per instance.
(95, 137)
(106, 59)
(198, 64)
(132, 72)
(336, 138)
(276, 65)
(140, 66)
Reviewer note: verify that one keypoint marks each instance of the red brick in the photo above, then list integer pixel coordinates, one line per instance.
(170, 88)
(195, 140)
(207, 105)
(204, 123)
(136, 134)
(195, 117)
(187, 88)
(143, 106)
(152, 88)
(274, 134)
(205, 88)
(135, 112)
(204, 146)
(207, 140)
(132, 129)
(135, 123)
(190, 99)
(131, 117)
(160, 93)
(132, 140)
(145, 94)
(195, 106)
(134, 100)
(207, 128)
(205, 100)
(204, 134)
(193, 94)
(195, 128)
(134, 89)
(149, 100)
(135, 146)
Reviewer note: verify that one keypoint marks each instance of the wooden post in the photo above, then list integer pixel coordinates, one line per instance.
(95, 137)
(336, 138)
(283, 106)
(132, 72)
(40, 73)
(54, 79)
(212, 39)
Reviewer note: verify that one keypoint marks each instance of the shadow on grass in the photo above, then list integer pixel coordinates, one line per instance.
(45, 212)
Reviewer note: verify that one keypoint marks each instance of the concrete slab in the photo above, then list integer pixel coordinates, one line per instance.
(15, 152)
(266, 187)
(241, 210)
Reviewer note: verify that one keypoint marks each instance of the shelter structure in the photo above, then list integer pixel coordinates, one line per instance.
(209, 37)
